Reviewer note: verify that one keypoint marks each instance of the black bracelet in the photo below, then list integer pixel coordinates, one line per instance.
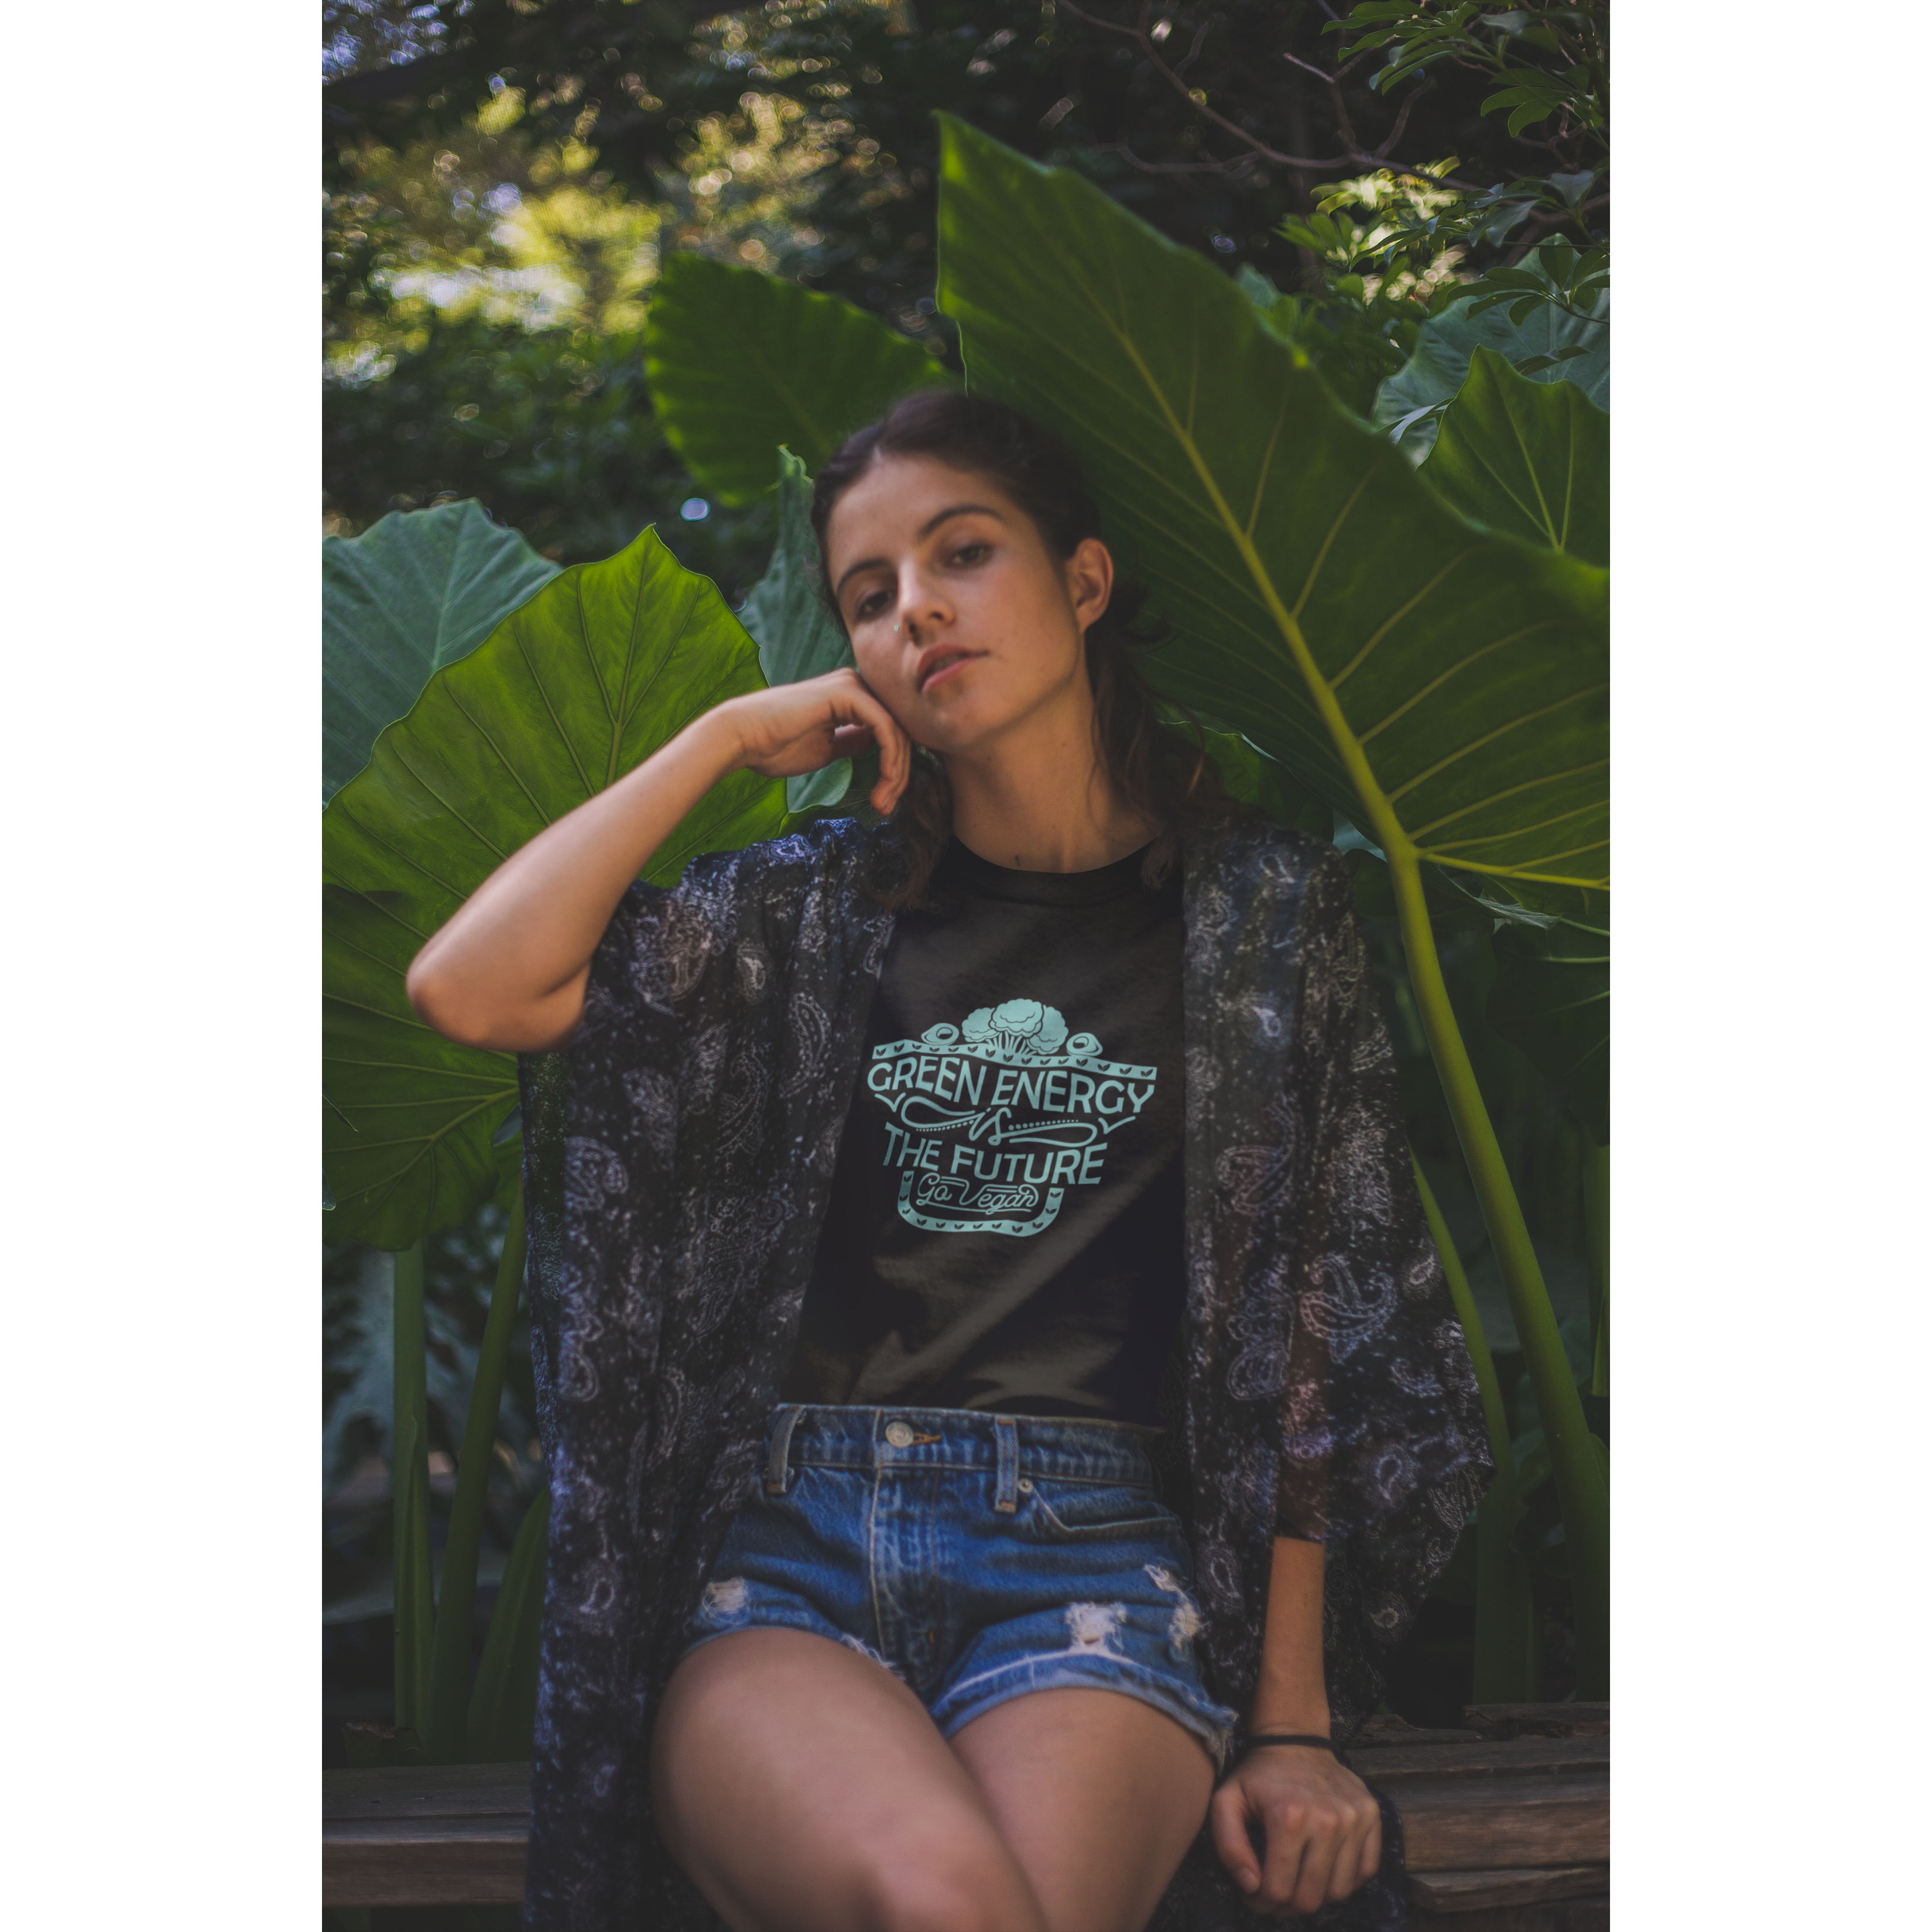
(1290, 1738)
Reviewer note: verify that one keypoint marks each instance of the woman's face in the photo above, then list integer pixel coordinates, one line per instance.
(964, 623)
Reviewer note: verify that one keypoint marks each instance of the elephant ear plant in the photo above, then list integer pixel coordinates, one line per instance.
(1444, 687)
(1549, 345)
(603, 665)
(416, 591)
(570, 689)
(1531, 458)
(515, 694)
(797, 635)
(755, 361)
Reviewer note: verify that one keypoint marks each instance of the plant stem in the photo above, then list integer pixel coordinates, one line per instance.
(415, 1597)
(1509, 1634)
(1597, 1230)
(1582, 1484)
(1506, 1624)
(445, 1741)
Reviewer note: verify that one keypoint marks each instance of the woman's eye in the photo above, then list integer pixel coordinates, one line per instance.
(971, 552)
(868, 606)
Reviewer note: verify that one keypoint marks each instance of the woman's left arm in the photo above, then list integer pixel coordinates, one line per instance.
(1320, 1830)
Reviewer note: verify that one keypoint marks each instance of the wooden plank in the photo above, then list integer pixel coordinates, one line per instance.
(1527, 1757)
(1539, 1721)
(424, 1861)
(1465, 1891)
(427, 1791)
(456, 1834)
(1566, 1915)
(1481, 1824)
(451, 1790)
(425, 1834)
(1385, 1729)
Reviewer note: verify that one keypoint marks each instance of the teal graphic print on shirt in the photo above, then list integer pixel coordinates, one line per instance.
(993, 1121)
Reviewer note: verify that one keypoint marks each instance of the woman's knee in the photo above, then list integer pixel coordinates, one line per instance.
(945, 1888)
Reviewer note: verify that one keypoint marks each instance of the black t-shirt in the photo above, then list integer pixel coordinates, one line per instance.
(1005, 1226)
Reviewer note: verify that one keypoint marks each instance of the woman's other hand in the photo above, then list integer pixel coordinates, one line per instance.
(793, 728)
(1320, 1829)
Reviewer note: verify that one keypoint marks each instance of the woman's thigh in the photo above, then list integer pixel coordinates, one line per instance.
(1097, 1795)
(804, 1789)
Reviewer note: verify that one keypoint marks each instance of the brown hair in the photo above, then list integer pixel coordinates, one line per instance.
(1155, 769)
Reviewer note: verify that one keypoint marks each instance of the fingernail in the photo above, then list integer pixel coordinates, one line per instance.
(1248, 1881)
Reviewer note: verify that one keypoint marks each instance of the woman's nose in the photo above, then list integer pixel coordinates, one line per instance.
(920, 604)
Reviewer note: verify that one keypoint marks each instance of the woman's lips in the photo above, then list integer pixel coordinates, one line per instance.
(944, 665)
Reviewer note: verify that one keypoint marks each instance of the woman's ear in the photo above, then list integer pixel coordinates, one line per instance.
(1089, 579)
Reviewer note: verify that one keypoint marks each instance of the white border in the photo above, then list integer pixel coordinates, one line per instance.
(162, 790)
(1770, 1344)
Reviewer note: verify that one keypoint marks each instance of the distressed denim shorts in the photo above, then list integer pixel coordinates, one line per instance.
(978, 1557)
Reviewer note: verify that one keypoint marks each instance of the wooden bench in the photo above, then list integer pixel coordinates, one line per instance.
(1508, 1823)
(425, 1834)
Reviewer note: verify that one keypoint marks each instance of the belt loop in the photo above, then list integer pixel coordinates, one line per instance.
(778, 1474)
(1006, 1490)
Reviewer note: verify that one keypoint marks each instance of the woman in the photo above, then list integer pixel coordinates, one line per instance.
(898, 1157)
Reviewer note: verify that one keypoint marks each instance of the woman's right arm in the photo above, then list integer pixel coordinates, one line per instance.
(508, 970)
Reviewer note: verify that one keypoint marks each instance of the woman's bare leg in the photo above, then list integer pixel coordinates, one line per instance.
(804, 1789)
(1098, 1796)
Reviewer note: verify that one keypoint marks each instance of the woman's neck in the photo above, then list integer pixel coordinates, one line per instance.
(1040, 802)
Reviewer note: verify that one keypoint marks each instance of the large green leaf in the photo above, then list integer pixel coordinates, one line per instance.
(417, 591)
(1541, 346)
(575, 689)
(1552, 997)
(1445, 688)
(739, 362)
(410, 1119)
(1532, 459)
(1451, 910)
(1252, 776)
(797, 635)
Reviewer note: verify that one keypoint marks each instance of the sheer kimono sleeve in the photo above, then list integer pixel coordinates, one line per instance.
(664, 956)
(616, 1122)
(1382, 1430)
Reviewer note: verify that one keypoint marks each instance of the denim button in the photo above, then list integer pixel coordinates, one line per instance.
(899, 1434)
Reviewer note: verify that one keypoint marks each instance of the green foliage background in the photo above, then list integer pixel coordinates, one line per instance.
(506, 180)
(506, 183)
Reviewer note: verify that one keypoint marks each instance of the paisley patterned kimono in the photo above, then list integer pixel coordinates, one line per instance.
(681, 1152)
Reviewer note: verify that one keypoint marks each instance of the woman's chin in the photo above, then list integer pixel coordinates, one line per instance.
(959, 734)
(949, 718)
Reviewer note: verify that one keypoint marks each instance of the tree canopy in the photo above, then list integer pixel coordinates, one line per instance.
(506, 178)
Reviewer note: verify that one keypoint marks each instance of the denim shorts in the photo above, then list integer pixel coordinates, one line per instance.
(977, 1557)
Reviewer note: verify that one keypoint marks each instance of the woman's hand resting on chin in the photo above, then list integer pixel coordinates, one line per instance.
(791, 729)
(1320, 1828)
